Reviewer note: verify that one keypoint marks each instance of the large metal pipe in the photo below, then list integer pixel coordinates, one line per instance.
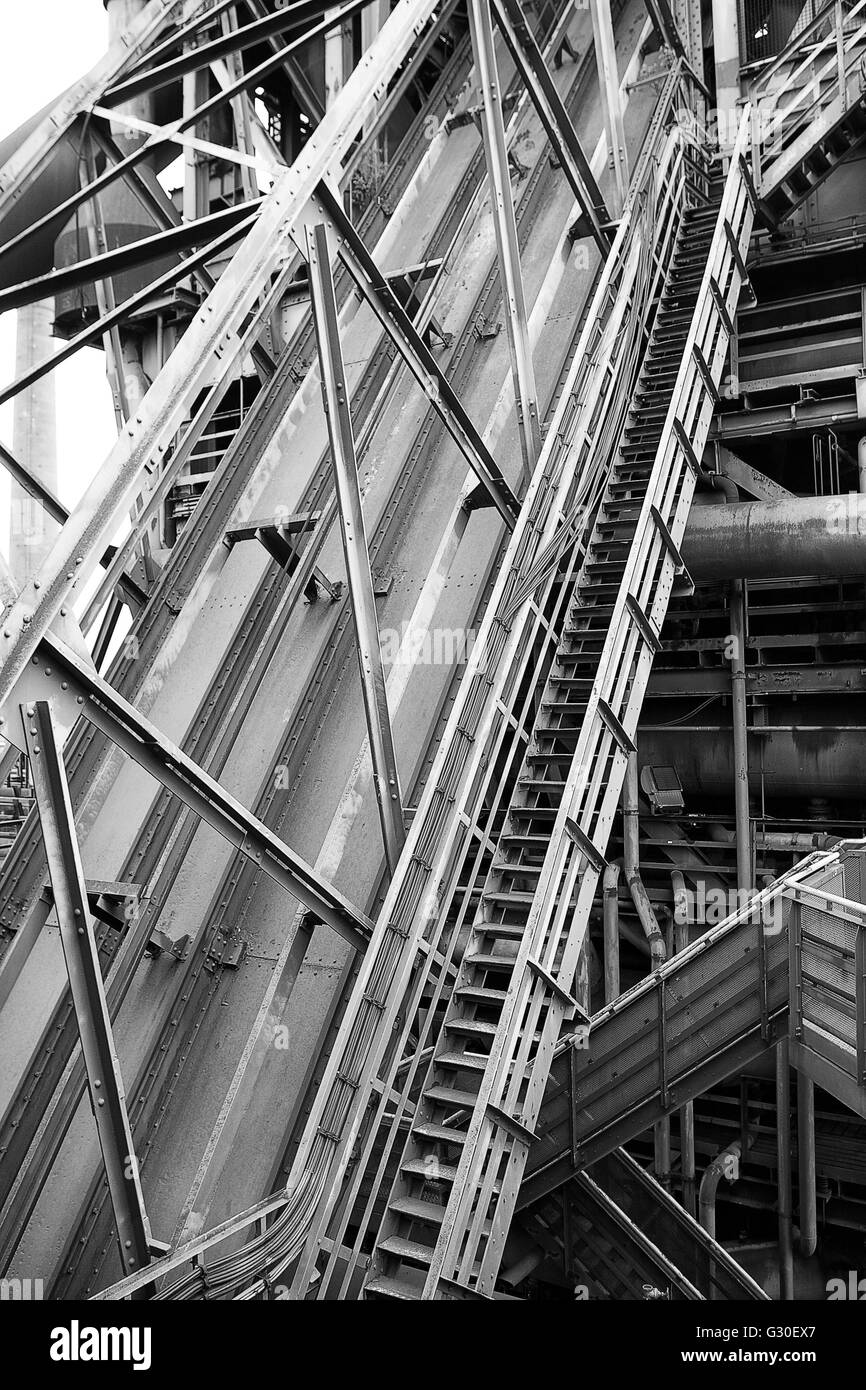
(797, 535)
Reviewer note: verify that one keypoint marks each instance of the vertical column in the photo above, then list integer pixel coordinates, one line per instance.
(34, 444)
(687, 17)
(783, 1163)
(508, 251)
(336, 399)
(333, 62)
(608, 81)
(86, 986)
(726, 46)
(745, 874)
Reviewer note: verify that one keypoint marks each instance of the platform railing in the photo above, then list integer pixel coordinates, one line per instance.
(814, 79)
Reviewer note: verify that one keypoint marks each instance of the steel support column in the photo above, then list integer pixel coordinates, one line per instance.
(508, 250)
(336, 400)
(608, 81)
(85, 984)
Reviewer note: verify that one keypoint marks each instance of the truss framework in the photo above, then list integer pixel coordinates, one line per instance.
(265, 234)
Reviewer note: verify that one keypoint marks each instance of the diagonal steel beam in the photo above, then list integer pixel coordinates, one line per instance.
(61, 671)
(608, 81)
(336, 400)
(380, 296)
(107, 1096)
(529, 61)
(122, 311)
(508, 250)
(181, 237)
(209, 349)
(166, 134)
(33, 154)
(236, 41)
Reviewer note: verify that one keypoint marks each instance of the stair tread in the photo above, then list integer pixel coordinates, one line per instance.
(418, 1210)
(383, 1287)
(407, 1249)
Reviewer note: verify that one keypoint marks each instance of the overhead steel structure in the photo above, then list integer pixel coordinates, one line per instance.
(440, 1131)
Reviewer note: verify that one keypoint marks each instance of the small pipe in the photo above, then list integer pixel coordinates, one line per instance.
(798, 840)
(687, 1111)
(861, 463)
(726, 1164)
(726, 486)
(783, 1159)
(631, 845)
(610, 904)
(741, 755)
(806, 1164)
(652, 929)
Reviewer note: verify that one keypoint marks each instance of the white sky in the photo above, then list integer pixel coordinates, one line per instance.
(47, 45)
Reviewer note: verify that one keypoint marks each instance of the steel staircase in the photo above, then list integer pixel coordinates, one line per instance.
(809, 107)
(630, 1240)
(475, 1121)
(412, 1226)
(787, 964)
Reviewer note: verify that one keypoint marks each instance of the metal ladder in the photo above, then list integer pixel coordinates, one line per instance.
(450, 1208)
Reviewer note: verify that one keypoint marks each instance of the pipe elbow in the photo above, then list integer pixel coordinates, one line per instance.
(726, 486)
(724, 1165)
(610, 878)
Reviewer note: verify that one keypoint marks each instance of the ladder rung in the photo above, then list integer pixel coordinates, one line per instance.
(584, 844)
(705, 374)
(643, 624)
(519, 1131)
(616, 728)
(553, 985)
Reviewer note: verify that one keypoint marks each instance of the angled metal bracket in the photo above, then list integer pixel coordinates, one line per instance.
(277, 539)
